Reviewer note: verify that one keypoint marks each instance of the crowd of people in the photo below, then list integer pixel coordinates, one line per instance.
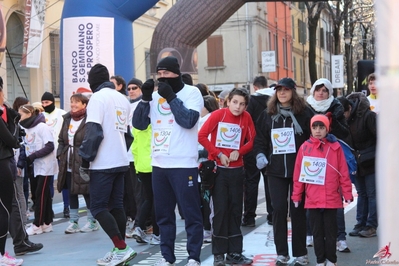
(176, 144)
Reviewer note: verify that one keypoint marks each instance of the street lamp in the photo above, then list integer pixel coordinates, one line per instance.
(347, 38)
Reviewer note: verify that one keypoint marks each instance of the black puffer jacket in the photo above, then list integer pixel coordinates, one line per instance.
(8, 134)
(280, 165)
(363, 128)
(339, 127)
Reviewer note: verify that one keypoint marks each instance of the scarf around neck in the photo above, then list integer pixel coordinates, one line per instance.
(320, 106)
(78, 115)
(286, 112)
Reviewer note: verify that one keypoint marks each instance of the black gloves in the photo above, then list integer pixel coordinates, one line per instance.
(166, 91)
(147, 89)
(29, 160)
(84, 170)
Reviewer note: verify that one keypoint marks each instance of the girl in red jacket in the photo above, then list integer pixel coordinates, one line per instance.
(232, 134)
(322, 174)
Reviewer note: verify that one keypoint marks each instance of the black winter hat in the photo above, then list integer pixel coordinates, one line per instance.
(98, 75)
(169, 63)
(48, 96)
(135, 81)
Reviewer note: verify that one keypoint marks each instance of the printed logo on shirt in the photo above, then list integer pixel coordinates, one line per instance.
(121, 116)
(281, 140)
(30, 138)
(71, 132)
(229, 136)
(52, 122)
(163, 107)
(161, 137)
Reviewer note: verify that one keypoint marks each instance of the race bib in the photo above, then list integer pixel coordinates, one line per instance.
(283, 140)
(228, 136)
(313, 170)
(161, 140)
(121, 119)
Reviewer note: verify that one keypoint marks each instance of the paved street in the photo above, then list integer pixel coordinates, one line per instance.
(84, 248)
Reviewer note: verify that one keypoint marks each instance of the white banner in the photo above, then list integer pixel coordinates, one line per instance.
(86, 42)
(268, 61)
(337, 68)
(33, 33)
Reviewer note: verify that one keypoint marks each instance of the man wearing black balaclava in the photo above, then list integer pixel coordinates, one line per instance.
(173, 112)
(54, 119)
(105, 161)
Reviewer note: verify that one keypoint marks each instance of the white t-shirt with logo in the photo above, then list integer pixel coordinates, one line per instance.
(111, 110)
(54, 120)
(172, 145)
(35, 139)
(132, 108)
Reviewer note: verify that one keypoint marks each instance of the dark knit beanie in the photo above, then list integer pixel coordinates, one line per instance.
(98, 75)
(135, 81)
(48, 96)
(169, 63)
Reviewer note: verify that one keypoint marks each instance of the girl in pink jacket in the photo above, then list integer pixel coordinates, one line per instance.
(322, 174)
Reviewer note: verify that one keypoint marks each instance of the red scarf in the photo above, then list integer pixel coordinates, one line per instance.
(78, 115)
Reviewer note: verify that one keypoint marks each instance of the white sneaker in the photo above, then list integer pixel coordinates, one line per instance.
(140, 236)
(121, 257)
(90, 226)
(105, 260)
(129, 233)
(207, 236)
(302, 260)
(72, 228)
(321, 264)
(47, 228)
(155, 240)
(6, 260)
(163, 262)
(342, 246)
(329, 263)
(192, 262)
(309, 241)
(34, 230)
(282, 259)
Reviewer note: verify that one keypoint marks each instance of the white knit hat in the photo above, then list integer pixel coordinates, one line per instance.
(326, 84)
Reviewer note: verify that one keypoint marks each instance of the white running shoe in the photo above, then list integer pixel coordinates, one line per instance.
(163, 262)
(329, 263)
(34, 230)
(121, 257)
(7, 260)
(342, 246)
(90, 226)
(47, 228)
(155, 240)
(140, 236)
(207, 236)
(105, 260)
(72, 228)
(192, 262)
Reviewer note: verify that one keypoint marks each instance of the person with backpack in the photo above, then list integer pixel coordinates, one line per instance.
(322, 175)
(322, 101)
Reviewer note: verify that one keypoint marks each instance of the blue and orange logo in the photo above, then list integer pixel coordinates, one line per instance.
(281, 141)
(163, 107)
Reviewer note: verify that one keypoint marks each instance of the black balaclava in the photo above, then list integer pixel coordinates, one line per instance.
(98, 75)
(48, 96)
(171, 64)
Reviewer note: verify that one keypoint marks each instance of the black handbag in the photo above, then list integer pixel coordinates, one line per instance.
(366, 155)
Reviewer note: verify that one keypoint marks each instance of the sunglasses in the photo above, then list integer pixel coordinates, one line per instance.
(132, 88)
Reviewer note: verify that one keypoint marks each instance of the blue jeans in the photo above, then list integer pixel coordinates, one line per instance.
(366, 213)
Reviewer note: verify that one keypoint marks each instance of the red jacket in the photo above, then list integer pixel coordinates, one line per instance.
(211, 126)
(337, 180)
